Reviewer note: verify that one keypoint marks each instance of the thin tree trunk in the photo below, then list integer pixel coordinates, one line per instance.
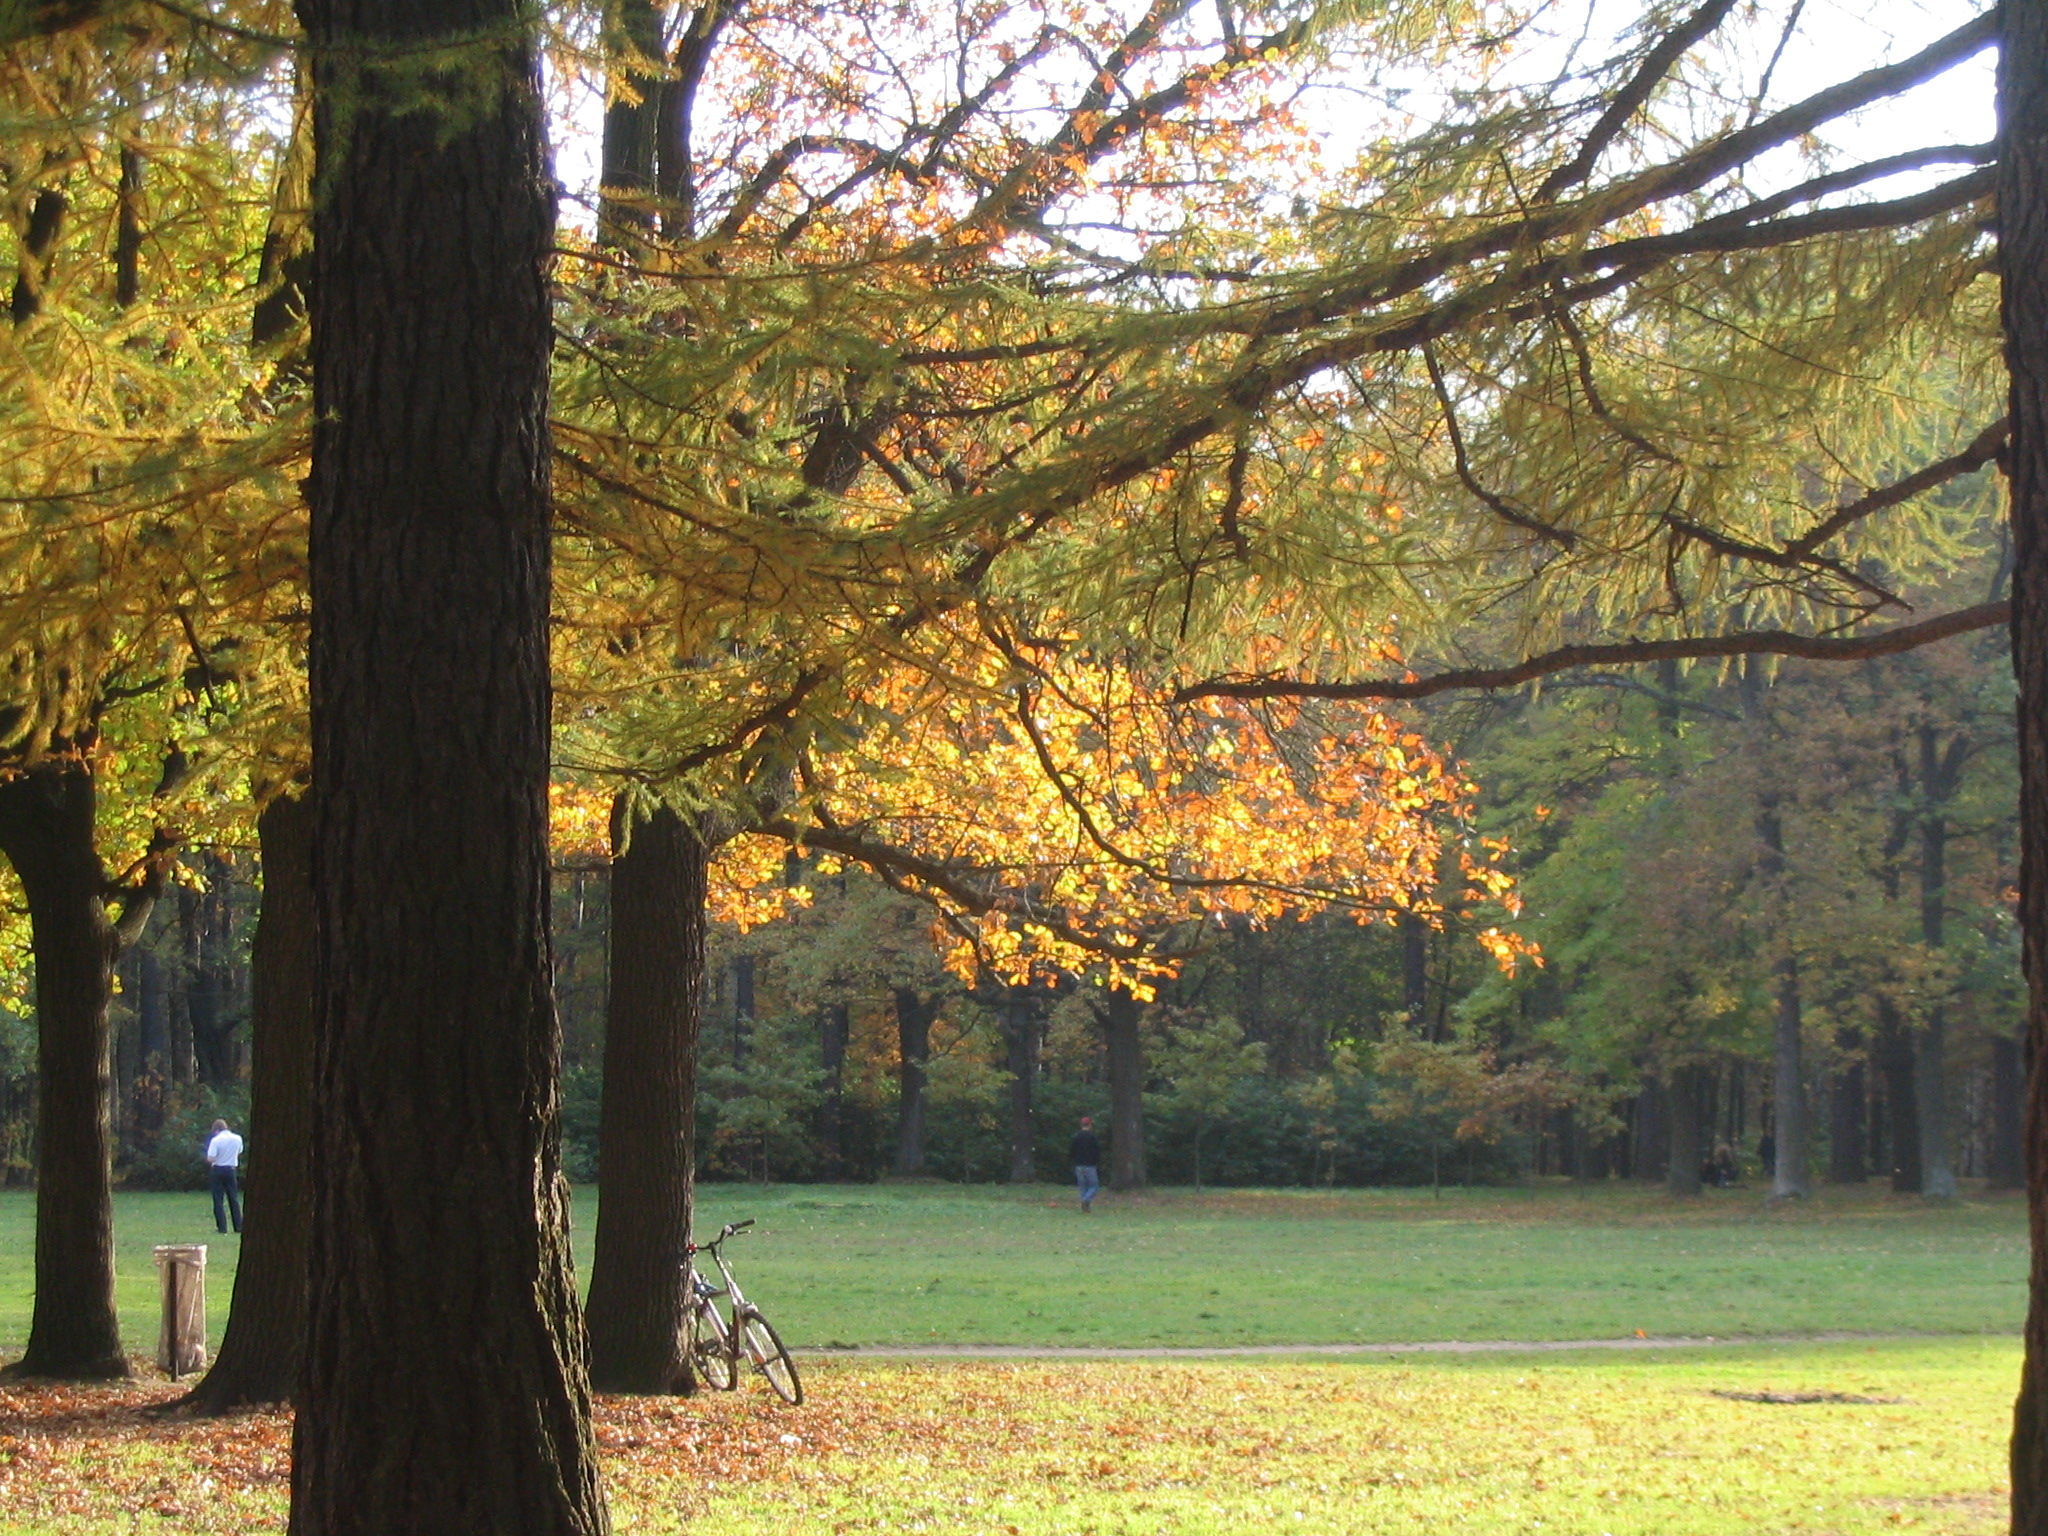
(1901, 1098)
(445, 1385)
(260, 1354)
(1682, 1172)
(647, 1156)
(1930, 1082)
(1848, 1156)
(47, 834)
(1415, 972)
(1937, 1149)
(1791, 1179)
(1120, 1019)
(834, 1028)
(2023, 265)
(914, 1017)
(2008, 1168)
(1020, 1033)
(1653, 1131)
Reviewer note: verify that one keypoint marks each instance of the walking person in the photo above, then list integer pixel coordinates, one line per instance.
(223, 1158)
(1085, 1153)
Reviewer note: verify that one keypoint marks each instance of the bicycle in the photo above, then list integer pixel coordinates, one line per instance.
(713, 1344)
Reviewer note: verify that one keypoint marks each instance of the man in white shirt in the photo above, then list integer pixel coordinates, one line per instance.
(223, 1156)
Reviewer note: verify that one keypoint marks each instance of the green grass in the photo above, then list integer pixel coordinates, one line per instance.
(908, 1264)
(1579, 1444)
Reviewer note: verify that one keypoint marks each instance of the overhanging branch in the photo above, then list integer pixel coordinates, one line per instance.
(1762, 642)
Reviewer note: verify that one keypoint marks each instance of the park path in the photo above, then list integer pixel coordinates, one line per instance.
(1423, 1347)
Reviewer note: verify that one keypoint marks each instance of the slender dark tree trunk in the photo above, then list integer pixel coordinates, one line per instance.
(914, 1016)
(646, 1165)
(1653, 1132)
(445, 1385)
(260, 1353)
(1896, 1059)
(834, 1029)
(1020, 1034)
(2008, 1168)
(1848, 1157)
(47, 834)
(1937, 1145)
(1682, 1172)
(1415, 971)
(2023, 266)
(1791, 1178)
(1120, 1019)
(742, 1007)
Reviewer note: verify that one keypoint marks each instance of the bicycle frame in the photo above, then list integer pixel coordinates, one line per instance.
(717, 1344)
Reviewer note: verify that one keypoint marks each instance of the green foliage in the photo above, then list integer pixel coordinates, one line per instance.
(174, 1156)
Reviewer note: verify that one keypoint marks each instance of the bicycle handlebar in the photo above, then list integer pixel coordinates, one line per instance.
(730, 1229)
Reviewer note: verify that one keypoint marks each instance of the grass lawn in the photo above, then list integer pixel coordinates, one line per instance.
(1593, 1446)
(908, 1264)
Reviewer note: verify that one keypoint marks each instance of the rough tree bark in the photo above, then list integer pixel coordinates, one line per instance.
(260, 1354)
(646, 1167)
(444, 1387)
(47, 833)
(914, 1015)
(2023, 268)
(1120, 1017)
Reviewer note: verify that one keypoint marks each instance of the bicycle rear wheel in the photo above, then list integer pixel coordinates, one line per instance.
(710, 1347)
(765, 1348)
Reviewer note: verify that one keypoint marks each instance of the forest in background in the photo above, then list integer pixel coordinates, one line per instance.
(1698, 852)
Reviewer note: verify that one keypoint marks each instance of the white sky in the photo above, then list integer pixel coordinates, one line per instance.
(1834, 40)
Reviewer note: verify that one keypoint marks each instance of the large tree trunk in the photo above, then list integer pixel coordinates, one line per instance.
(646, 1165)
(2023, 266)
(1020, 1033)
(260, 1353)
(1120, 1020)
(1848, 1153)
(445, 1385)
(1682, 1172)
(47, 833)
(914, 1015)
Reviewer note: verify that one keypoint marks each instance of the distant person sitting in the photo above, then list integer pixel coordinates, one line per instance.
(223, 1157)
(1085, 1152)
(1721, 1170)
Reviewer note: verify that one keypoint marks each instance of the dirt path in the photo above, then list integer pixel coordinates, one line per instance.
(1425, 1347)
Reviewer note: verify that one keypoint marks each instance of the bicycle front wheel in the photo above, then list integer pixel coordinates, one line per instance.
(710, 1347)
(765, 1348)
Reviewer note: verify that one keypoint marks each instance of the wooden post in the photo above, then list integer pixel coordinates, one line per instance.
(181, 1340)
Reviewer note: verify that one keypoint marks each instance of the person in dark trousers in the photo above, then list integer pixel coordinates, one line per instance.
(1085, 1153)
(223, 1157)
